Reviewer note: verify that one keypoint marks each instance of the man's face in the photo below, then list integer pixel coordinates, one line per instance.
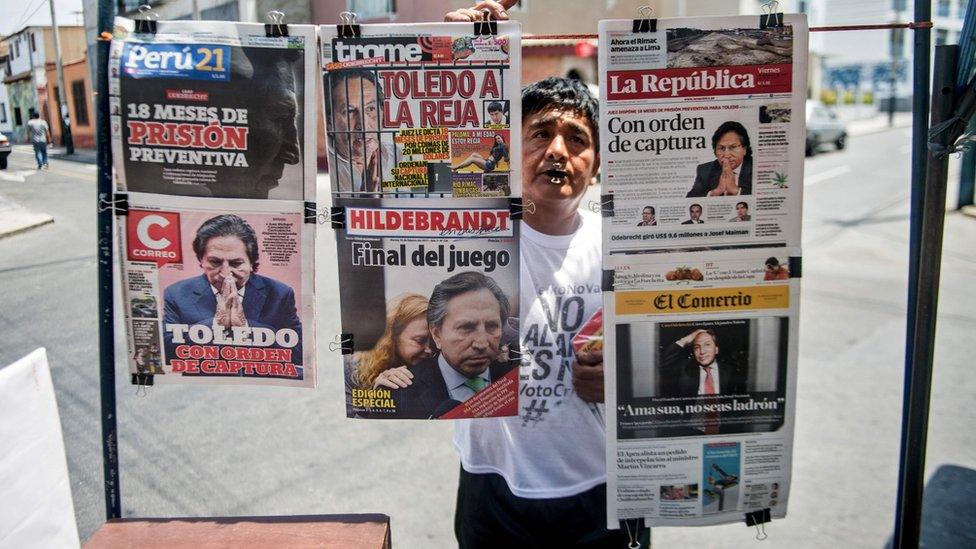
(647, 215)
(729, 150)
(695, 212)
(470, 334)
(741, 210)
(562, 136)
(704, 349)
(225, 256)
(273, 138)
(354, 109)
(413, 343)
(496, 117)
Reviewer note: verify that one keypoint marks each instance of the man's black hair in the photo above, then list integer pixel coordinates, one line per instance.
(463, 283)
(696, 204)
(738, 129)
(34, 114)
(227, 225)
(650, 208)
(772, 262)
(743, 203)
(562, 93)
(496, 106)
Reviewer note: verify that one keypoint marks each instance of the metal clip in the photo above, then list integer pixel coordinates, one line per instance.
(645, 23)
(276, 27)
(347, 27)
(487, 26)
(146, 24)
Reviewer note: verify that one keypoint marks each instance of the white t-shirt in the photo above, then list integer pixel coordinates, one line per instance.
(556, 447)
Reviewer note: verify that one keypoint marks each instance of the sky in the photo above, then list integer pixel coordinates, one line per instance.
(17, 14)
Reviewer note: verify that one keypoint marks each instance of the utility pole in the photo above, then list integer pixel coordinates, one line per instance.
(196, 10)
(897, 42)
(69, 144)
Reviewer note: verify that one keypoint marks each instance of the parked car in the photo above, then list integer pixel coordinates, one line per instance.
(4, 151)
(823, 127)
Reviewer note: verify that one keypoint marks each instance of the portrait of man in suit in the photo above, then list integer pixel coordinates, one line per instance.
(730, 174)
(691, 366)
(229, 293)
(694, 215)
(466, 316)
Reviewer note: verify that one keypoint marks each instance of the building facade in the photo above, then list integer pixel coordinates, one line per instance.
(29, 51)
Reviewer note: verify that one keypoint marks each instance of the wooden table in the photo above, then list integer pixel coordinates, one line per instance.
(369, 531)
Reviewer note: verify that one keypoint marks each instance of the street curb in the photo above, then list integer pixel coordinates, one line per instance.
(879, 130)
(19, 220)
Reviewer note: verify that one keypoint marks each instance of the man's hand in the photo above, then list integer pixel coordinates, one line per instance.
(470, 15)
(394, 378)
(230, 310)
(588, 376)
(683, 342)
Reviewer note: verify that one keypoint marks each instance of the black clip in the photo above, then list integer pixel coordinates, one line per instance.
(606, 205)
(487, 26)
(344, 344)
(796, 267)
(338, 217)
(311, 214)
(147, 23)
(606, 281)
(515, 208)
(347, 28)
(771, 18)
(142, 379)
(645, 23)
(119, 204)
(276, 27)
(759, 519)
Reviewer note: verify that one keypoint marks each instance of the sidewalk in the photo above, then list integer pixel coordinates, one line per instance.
(85, 156)
(15, 218)
(878, 123)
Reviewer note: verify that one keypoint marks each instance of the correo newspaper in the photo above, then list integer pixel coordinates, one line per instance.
(218, 291)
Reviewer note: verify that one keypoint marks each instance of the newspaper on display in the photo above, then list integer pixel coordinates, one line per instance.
(213, 109)
(701, 403)
(702, 146)
(428, 292)
(428, 109)
(213, 297)
(702, 132)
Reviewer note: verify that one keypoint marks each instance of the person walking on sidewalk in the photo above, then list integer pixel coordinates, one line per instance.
(40, 135)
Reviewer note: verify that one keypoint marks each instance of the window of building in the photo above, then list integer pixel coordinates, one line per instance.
(941, 37)
(33, 45)
(942, 8)
(3, 113)
(18, 117)
(79, 100)
(899, 5)
(371, 9)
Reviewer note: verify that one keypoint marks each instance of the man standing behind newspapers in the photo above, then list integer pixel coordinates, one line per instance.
(539, 479)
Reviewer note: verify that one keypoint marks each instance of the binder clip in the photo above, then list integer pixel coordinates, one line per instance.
(142, 380)
(645, 23)
(606, 281)
(347, 27)
(275, 27)
(759, 519)
(518, 206)
(337, 215)
(342, 343)
(796, 267)
(146, 24)
(311, 213)
(606, 205)
(119, 204)
(770, 18)
(487, 26)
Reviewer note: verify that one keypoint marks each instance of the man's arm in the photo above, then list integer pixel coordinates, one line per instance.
(701, 185)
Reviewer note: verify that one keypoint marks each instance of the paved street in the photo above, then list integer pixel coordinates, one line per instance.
(265, 451)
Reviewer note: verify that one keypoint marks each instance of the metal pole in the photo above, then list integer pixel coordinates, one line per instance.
(106, 334)
(196, 10)
(69, 144)
(923, 284)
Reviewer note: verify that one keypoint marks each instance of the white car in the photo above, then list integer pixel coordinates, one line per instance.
(4, 151)
(823, 127)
